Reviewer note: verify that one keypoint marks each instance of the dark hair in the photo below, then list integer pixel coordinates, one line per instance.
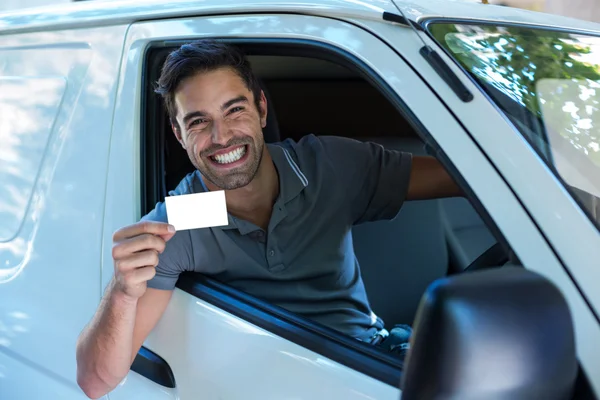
(202, 56)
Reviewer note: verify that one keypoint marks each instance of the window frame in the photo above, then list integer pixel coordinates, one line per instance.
(347, 351)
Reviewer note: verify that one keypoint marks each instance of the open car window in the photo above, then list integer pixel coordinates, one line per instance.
(548, 85)
(312, 89)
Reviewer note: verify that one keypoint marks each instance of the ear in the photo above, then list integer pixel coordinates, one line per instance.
(263, 109)
(177, 132)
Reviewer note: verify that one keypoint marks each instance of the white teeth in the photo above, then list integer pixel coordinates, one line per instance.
(230, 157)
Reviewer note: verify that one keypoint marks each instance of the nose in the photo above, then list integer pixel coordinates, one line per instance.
(221, 134)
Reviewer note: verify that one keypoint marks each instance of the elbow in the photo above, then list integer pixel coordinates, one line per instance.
(89, 379)
(92, 384)
(93, 387)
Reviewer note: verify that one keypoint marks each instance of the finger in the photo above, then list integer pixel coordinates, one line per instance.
(153, 227)
(137, 260)
(167, 237)
(143, 274)
(145, 241)
(139, 276)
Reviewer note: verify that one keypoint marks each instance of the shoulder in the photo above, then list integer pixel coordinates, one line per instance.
(305, 157)
(312, 149)
(322, 158)
(311, 144)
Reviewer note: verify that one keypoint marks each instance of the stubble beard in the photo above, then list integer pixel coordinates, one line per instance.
(235, 178)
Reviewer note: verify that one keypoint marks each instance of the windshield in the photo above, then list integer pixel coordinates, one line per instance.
(548, 85)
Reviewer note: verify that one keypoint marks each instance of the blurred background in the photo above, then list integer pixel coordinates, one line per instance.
(582, 9)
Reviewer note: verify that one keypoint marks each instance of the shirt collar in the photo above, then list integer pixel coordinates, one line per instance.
(292, 182)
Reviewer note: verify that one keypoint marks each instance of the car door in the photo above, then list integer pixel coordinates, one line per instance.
(213, 352)
(519, 160)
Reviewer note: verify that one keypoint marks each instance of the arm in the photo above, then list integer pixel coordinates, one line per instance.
(107, 347)
(127, 313)
(376, 181)
(429, 180)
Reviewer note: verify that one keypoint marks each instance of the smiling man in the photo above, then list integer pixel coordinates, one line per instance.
(218, 116)
(291, 208)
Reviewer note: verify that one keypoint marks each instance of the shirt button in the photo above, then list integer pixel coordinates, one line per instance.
(271, 253)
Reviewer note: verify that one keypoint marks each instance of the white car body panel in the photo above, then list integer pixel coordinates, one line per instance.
(53, 271)
(48, 291)
(215, 355)
(22, 379)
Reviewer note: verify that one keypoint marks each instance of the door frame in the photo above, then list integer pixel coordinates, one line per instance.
(406, 88)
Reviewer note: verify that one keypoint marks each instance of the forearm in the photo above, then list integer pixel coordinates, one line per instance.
(105, 346)
(430, 180)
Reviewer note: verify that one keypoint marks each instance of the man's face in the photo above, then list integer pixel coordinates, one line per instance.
(220, 127)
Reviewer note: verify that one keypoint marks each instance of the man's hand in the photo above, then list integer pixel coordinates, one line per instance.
(135, 253)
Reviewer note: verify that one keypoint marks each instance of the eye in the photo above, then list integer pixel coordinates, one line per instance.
(235, 109)
(196, 122)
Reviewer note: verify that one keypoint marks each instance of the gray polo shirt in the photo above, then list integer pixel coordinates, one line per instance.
(305, 261)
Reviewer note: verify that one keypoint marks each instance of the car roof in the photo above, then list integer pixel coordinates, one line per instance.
(103, 12)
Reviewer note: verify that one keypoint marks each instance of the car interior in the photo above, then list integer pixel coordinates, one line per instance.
(399, 258)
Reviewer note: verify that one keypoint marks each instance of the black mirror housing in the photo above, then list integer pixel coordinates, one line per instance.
(500, 334)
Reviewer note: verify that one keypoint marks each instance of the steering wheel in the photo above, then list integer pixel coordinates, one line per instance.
(493, 257)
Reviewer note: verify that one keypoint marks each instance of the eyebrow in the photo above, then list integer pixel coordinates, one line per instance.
(193, 114)
(229, 103)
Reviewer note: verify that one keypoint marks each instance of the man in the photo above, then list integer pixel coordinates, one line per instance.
(291, 207)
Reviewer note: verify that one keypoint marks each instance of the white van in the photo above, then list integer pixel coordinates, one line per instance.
(508, 100)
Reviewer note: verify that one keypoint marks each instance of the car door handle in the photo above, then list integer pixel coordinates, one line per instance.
(152, 366)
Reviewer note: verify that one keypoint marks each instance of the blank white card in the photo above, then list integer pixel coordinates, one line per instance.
(198, 210)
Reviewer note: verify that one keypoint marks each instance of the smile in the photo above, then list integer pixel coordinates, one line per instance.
(230, 157)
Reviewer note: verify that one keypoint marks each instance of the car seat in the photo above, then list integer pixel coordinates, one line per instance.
(467, 235)
(401, 257)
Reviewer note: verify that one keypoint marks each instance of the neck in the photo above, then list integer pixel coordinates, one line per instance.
(254, 202)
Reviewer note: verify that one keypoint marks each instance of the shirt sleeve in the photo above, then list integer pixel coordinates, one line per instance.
(374, 179)
(176, 258)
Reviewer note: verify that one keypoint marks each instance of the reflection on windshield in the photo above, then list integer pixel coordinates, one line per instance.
(548, 84)
(571, 118)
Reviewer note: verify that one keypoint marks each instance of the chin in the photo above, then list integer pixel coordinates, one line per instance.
(230, 181)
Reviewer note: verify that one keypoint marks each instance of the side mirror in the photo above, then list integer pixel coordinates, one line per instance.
(500, 334)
